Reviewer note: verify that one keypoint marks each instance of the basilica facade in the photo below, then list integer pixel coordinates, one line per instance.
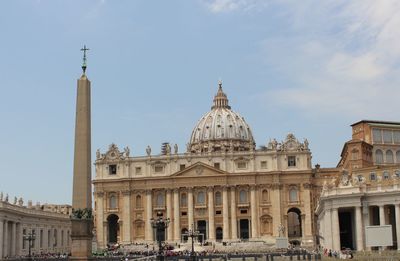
(222, 186)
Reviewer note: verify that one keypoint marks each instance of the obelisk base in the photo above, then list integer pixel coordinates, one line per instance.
(81, 236)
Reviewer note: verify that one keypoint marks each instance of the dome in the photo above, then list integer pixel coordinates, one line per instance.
(221, 129)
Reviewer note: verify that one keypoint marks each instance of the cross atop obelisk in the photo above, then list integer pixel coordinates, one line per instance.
(84, 65)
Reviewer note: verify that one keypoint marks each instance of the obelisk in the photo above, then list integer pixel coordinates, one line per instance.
(82, 218)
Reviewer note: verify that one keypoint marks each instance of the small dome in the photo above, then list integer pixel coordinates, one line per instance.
(221, 129)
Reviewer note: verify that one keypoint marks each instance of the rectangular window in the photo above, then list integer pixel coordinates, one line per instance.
(263, 164)
(182, 167)
(377, 135)
(387, 137)
(396, 136)
(138, 170)
(242, 165)
(218, 212)
(112, 169)
(291, 161)
(216, 165)
(158, 169)
(372, 176)
(184, 214)
(243, 211)
(385, 175)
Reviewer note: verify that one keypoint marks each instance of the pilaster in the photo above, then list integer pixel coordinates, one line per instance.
(233, 214)
(211, 213)
(126, 217)
(225, 213)
(254, 216)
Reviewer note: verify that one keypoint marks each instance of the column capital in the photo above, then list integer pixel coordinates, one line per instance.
(276, 186)
(210, 189)
(99, 193)
(307, 185)
(126, 192)
(176, 190)
(149, 191)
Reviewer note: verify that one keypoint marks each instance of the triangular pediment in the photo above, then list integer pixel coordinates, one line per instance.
(199, 169)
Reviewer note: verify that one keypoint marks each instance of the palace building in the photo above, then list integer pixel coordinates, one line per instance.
(221, 185)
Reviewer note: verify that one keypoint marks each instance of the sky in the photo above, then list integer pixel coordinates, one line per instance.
(308, 67)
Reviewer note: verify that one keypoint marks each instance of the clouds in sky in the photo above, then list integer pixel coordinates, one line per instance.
(342, 56)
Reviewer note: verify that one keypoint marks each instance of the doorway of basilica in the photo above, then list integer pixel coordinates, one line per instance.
(244, 229)
(202, 228)
(113, 228)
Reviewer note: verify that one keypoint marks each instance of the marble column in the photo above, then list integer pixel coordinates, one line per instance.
(176, 223)
(1, 238)
(126, 217)
(225, 213)
(359, 229)
(253, 208)
(190, 208)
(211, 221)
(13, 238)
(276, 209)
(170, 235)
(382, 220)
(6, 239)
(233, 214)
(308, 212)
(99, 220)
(397, 213)
(335, 229)
(365, 212)
(149, 215)
(328, 229)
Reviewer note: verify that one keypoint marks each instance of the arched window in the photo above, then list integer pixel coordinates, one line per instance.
(160, 200)
(201, 198)
(138, 201)
(113, 201)
(243, 196)
(398, 156)
(183, 200)
(218, 198)
(389, 156)
(264, 196)
(354, 154)
(293, 195)
(378, 157)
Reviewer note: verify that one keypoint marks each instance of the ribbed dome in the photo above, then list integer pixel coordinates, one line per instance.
(221, 129)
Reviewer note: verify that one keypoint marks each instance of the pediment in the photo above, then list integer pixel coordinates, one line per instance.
(199, 169)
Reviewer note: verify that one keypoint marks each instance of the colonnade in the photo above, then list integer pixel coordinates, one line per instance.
(47, 239)
(331, 229)
(229, 219)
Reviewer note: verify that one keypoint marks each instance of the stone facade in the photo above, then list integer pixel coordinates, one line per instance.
(368, 190)
(220, 185)
(50, 223)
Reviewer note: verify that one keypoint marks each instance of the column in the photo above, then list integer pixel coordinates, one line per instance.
(365, 212)
(328, 229)
(18, 239)
(13, 240)
(99, 220)
(176, 223)
(225, 213)
(126, 217)
(1, 238)
(276, 209)
(170, 235)
(211, 213)
(308, 211)
(149, 215)
(335, 229)
(233, 214)
(359, 230)
(382, 220)
(6, 239)
(253, 207)
(190, 209)
(397, 221)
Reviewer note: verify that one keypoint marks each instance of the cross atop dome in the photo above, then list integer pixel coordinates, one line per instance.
(220, 99)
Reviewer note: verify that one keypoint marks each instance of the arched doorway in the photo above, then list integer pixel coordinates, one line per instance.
(113, 228)
(294, 222)
(202, 228)
(218, 233)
